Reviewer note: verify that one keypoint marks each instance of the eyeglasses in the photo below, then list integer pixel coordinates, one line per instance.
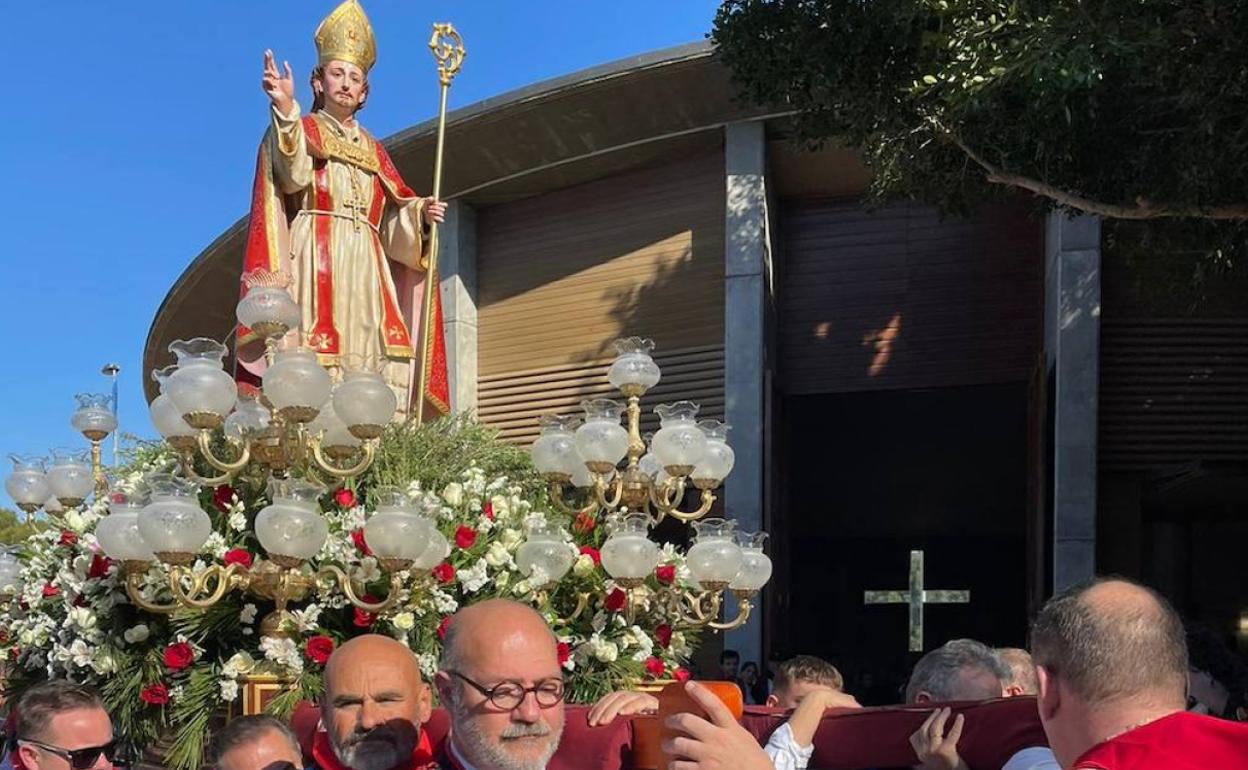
(506, 696)
(79, 759)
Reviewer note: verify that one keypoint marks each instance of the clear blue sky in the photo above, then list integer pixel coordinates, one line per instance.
(129, 144)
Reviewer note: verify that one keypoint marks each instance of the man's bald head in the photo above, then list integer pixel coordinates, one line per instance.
(1111, 639)
(489, 624)
(382, 650)
(1022, 680)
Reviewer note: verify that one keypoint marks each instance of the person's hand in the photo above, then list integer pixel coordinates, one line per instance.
(935, 749)
(718, 744)
(619, 704)
(435, 211)
(280, 87)
(829, 698)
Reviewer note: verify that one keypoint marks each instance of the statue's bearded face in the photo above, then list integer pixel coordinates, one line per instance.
(343, 85)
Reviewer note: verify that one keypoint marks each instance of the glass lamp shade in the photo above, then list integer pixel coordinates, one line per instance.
(94, 417)
(546, 551)
(333, 431)
(53, 506)
(296, 385)
(172, 524)
(435, 553)
(714, 558)
(365, 403)
(167, 418)
(396, 531)
(268, 308)
(118, 532)
(248, 418)
(27, 484)
(755, 565)
(291, 529)
(70, 477)
(602, 441)
(718, 458)
(11, 581)
(554, 451)
(680, 443)
(201, 390)
(633, 371)
(629, 553)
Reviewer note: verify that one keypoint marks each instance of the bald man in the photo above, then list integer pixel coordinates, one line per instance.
(1112, 667)
(372, 708)
(502, 685)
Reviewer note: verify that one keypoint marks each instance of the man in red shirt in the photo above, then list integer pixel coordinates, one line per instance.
(1112, 667)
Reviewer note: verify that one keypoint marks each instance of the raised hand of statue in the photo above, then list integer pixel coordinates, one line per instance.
(279, 87)
(435, 211)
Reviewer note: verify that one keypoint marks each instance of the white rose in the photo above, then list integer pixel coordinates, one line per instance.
(237, 521)
(81, 617)
(73, 520)
(453, 494)
(497, 555)
(404, 621)
(511, 538)
(241, 663)
(136, 634)
(606, 651)
(583, 566)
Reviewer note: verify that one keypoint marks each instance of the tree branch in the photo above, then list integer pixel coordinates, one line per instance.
(1142, 210)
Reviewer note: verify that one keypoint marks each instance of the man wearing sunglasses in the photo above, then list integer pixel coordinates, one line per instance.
(63, 726)
(502, 685)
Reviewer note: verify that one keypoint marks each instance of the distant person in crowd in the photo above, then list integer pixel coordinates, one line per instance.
(502, 685)
(1022, 671)
(753, 687)
(1217, 677)
(372, 708)
(1112, 663)
(62, 726)
(259, 742)
(729, 665)
(961, 670)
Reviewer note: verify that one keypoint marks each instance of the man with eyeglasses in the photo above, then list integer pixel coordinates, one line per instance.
(502, 685)
(63, 726)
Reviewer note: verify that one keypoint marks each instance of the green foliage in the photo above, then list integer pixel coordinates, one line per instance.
(15, 529)
(1141, 104)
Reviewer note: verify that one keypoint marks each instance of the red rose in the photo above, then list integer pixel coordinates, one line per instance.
(592, 553)
(99, 567)
(465, 536)
(237, 556)
(663, 635)
(14, 652)
(178, 656)
(655, 667)
(584, 523)
(318, 649)
(222, 496)
(565, 652)
(363, 619)
(80, 601)
(443, 626)
(155, 694)
(616, 600)
(50, 590)
(665, 574)
(68, 538)
(487, 510)
(443, 573)
(681, 675)
(357, 537)
(345, 498)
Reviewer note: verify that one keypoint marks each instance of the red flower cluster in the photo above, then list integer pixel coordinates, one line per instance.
(155, 694)
(318, 649)
(357, 537)
(592, 553)
(443, 573)
(443, 626)
(178, 656)
(616, 600)
(681, 675)
(345, 498)
(67, 538)
(99, 567)
(665, 574)
(584, 523)
(237, 556)
(364, 619)
(465, 536)
(487, 510)
(221, 497)
(655, 667)
(663, 635)
(50, 590)
(565, 652)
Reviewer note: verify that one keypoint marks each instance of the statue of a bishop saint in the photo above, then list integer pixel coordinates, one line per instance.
(330, 211)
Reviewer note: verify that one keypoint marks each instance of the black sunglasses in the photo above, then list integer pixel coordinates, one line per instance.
(78, 759)
(508, 695)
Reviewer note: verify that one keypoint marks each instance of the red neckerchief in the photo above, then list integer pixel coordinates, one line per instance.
(325, 758)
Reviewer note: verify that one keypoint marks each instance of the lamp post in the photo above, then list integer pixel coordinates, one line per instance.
(111, 371)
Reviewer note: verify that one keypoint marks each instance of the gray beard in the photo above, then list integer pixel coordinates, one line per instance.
(484, 753)
(367, 754)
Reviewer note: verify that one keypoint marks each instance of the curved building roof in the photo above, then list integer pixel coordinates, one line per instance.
(591, 124)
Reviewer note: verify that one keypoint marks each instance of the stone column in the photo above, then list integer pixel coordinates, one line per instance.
(746, 273)
(1072, 315)
(457, 265)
